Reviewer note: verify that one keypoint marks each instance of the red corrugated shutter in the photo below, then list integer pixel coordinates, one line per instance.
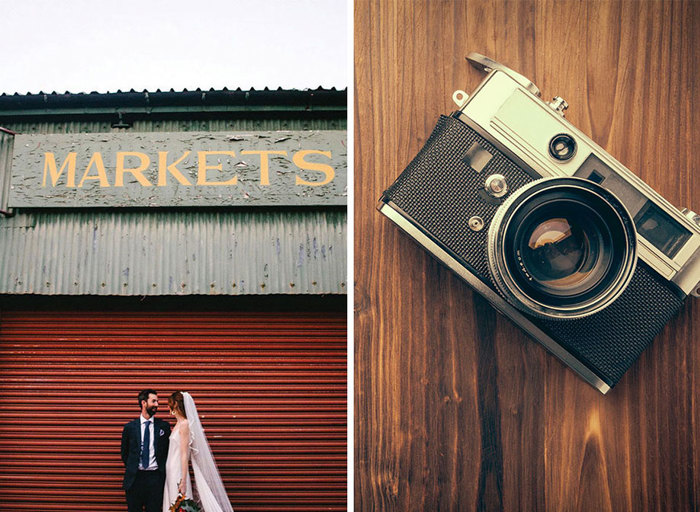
(270, 388)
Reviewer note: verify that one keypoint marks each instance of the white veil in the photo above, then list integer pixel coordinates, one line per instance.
(207, 481)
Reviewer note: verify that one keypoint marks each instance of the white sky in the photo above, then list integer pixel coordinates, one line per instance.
(99, 45)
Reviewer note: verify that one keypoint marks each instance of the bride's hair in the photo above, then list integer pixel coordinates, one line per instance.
(176, 403)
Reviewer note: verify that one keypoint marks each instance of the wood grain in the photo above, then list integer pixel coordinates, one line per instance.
(455, 408)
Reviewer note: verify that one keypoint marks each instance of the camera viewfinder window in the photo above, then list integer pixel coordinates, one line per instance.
(596, 177)
(477, 157)
(660, 229)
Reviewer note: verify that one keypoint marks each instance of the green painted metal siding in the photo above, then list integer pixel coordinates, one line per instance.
(172, 251)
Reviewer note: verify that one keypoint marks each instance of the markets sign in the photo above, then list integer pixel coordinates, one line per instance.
(179, 169)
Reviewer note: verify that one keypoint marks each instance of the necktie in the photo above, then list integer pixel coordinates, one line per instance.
(146, 447)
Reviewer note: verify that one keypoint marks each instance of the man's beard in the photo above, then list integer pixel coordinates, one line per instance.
(152, 410)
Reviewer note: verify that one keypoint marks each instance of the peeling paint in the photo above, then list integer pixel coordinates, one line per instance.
(194, 172)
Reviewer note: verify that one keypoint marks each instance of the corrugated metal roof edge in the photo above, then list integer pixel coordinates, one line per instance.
(198, 89)
(154, 99)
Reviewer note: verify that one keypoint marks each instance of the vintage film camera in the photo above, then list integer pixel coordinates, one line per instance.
(554, 232)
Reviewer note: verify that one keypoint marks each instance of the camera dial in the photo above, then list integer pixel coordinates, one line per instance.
(562, 147)
(562, 248)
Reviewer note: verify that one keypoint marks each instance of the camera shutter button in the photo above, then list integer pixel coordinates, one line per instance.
(496, 185)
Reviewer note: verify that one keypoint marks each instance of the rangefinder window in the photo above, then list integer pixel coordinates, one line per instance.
(661, 230)
(594, 169)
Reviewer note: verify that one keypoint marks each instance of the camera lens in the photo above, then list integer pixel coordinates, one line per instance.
(562, 248)
(562, 147)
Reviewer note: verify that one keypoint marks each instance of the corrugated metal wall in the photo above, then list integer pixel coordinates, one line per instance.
(270, 388)
(174, 253)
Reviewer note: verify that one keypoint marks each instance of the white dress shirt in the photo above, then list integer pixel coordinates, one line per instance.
(152, 464)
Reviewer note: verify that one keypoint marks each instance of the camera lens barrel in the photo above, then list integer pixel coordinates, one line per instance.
(561, 248)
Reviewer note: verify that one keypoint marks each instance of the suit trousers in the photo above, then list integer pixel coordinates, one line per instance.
(146, 493)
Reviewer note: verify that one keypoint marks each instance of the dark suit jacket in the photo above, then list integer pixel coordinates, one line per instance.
(131, 448)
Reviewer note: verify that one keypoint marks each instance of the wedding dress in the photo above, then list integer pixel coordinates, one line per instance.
(208, 488)
(173, 470)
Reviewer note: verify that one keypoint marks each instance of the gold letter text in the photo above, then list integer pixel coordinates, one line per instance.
(51, 167)
(312, 166)
(137, 172)
(96, 160)
(164, 168)
(203, 167)
(264, 163)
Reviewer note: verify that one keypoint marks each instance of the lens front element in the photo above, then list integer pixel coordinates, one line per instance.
(557, 253)
(561, 248)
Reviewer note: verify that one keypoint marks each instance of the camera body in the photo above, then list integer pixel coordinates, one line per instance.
(554, 232)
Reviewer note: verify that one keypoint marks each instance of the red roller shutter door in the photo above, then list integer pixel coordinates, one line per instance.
(270, 388)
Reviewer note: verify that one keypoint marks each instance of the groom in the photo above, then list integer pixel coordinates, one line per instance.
(145, 443)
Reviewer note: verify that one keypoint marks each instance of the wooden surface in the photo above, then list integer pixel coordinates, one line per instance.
(455, 408)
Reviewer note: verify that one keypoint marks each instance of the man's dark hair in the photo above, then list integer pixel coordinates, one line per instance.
(143, 395)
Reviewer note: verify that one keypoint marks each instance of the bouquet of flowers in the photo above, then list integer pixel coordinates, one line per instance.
(182, 504)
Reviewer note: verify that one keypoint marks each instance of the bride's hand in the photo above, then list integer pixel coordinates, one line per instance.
(181, 487)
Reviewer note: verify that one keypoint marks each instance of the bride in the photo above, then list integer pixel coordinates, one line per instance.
(188, 442)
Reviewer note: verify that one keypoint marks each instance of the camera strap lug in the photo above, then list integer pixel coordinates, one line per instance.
(460, 98)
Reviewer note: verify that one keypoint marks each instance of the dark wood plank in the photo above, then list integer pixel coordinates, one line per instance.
(455, 408)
